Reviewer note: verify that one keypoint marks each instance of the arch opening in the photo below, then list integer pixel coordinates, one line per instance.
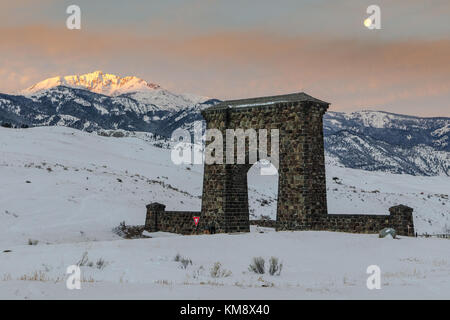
(262, 182)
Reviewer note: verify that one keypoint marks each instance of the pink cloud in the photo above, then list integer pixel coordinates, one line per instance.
(348, 73)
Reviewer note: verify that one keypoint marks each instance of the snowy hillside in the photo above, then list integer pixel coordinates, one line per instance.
(381, 141)
(65, 185)
(64, 190)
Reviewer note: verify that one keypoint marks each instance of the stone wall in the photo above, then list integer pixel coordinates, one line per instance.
(182, 222)
(264, 223)
(400, 218)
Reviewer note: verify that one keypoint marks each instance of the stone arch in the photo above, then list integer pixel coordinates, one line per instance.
(301, 189)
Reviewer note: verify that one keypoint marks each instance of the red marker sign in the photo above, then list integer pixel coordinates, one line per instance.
(196, 220)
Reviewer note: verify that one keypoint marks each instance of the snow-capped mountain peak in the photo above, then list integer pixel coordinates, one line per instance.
(132, 92)
(97, 81)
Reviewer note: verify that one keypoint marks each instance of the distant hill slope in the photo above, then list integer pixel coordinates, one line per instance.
(369, 140)
(381, 141)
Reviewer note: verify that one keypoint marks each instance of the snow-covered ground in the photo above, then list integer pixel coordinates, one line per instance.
(67, 189)
(315, 265)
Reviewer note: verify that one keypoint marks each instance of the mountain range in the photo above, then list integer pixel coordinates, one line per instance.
(369, 140)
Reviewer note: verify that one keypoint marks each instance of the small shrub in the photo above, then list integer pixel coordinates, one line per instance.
(118, 134)
(257, 265)
(182, 260)
(32, 242)
(35, 276)
(100, 264)
(128, 231)
(198, 273)
(84, 260)
(185, 262)
(274, 266)
(218, 272)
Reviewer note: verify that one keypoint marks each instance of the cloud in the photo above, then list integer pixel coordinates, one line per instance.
(349, 73)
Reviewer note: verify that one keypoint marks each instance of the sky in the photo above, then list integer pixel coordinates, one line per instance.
(241, 49)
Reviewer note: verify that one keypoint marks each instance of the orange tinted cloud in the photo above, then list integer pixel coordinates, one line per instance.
(350, 73)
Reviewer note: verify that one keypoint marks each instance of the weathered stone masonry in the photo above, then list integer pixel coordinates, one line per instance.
(158, 219)
(302, 190)
(301, 202)
(400, 218)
